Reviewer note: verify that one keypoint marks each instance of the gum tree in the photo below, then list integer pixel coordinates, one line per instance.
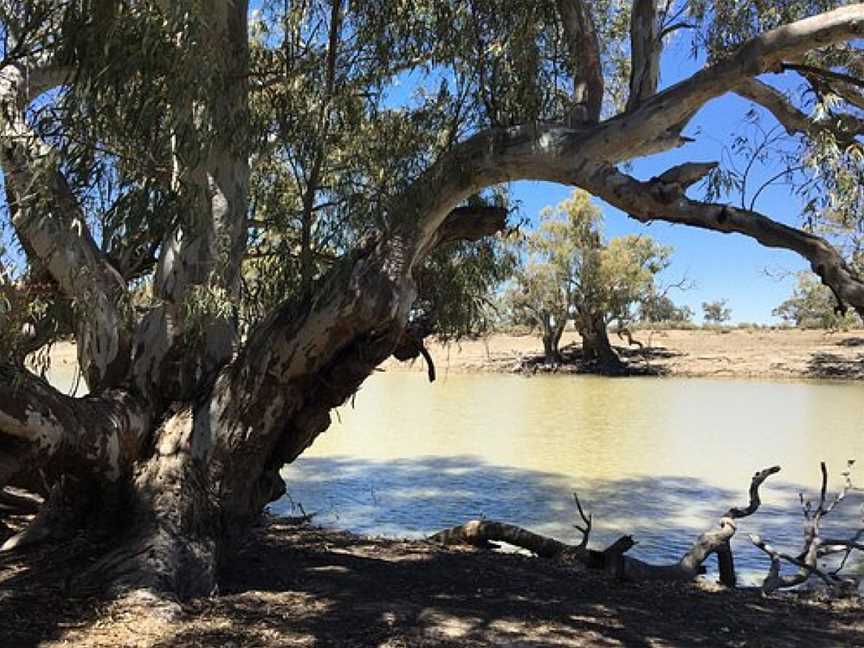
(570, 273)
(144, 147)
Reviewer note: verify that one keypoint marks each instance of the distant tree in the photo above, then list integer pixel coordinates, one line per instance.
(658, 307)
(812, 305)
(716, 312)
(567, 272)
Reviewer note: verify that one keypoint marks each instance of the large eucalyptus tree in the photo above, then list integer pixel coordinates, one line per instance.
(161, 157)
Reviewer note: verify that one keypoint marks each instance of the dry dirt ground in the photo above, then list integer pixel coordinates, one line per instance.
(743, 353)
(292, 586)
(735, 353)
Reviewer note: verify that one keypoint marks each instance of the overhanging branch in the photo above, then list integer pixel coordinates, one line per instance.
(844, 127)
(657, 200)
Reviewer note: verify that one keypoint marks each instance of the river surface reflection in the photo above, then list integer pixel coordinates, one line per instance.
(658, 458)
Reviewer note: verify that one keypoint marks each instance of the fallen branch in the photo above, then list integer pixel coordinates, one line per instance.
(481, 533)
(814, 546)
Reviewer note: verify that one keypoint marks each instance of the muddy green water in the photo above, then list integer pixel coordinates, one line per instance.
(658, 458)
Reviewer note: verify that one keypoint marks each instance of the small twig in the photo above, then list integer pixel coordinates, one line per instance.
(587, 519)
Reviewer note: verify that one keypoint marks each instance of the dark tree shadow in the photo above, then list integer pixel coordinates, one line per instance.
(417, 497)
(831, 365)
(851, 342)
(636, 362)
(290, 586)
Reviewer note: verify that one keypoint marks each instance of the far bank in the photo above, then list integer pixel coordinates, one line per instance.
(785, 354)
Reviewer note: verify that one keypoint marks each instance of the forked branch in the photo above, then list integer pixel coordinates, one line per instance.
(613, 559)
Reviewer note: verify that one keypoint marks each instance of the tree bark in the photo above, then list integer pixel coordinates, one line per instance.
(597, 351)
(551, 340)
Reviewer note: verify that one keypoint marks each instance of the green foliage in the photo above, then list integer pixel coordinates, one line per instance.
(716, 312)
(568, 272)
(456, 286)
(658, 307)
(812, 305)
(332, 136)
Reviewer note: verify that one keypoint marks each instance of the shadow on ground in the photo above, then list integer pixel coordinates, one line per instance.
(832, 365)
(420, 496)
(289, 586)
(851, 342)
(637, 362)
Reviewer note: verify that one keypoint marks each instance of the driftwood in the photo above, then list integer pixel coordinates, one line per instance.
(815, 546)
(613, 559)
(482, 533)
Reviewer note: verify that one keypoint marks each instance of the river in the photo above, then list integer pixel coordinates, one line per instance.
(659, 458)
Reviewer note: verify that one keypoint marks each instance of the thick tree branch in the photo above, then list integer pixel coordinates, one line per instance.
(200, 259)
(656, 200)
(659, 120)
(645, 49)
(471, 223)
(51, 226)
(844, 127)
(587, 70)
(50, 432)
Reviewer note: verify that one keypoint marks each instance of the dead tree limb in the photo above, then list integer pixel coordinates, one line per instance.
(613, 560)
(815, 547)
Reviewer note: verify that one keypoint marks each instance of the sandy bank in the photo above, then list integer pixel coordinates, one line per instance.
(741, 353)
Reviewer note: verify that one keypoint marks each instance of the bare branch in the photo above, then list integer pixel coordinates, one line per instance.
(775, 580)
(844, 127)
(754, 503)
(586, 519)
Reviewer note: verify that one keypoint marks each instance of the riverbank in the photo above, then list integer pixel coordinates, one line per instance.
(781, 354)
(303, 586)
(736, 353)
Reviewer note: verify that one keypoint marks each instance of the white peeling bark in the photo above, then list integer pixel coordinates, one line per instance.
(102, 434)
(206, 250)
(51, 227)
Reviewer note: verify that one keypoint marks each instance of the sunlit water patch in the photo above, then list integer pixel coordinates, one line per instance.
(658, 458)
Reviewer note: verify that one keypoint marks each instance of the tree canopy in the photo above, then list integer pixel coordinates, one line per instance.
(239, 214)
(812, 305)
(716, 312)
(569, 273)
